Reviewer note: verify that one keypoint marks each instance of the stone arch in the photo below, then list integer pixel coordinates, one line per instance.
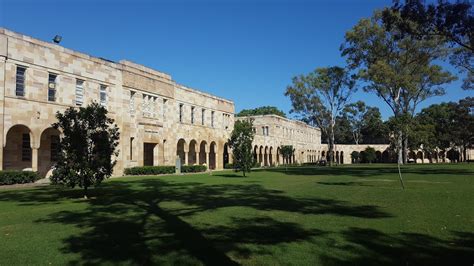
(453, 155)
(378, 156)
(181, 151)
(203, 153)
(225, 154)
(265, 156)
(260, 156)
(192, 153)
(278, 155)
(412, 156)
(435, 156)
(293, 158)
(341, 159)
(255, 154)
(386, 156)
(18, 149)
(270, 156)
(323, 155)
(48, 150)
(419, 157)
(212, 155)
(442, 156)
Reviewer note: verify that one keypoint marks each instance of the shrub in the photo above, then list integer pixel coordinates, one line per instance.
(17, 177)
(228, 166)
(193, 168)
(150, 170)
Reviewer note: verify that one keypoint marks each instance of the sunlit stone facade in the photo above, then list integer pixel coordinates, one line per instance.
(160, 120)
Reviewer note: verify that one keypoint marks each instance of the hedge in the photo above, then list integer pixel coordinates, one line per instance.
(17, 177)
(193, 168)
(150, 170)
(158, 170)
(228, 166)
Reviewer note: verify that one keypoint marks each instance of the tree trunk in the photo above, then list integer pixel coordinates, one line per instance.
(85, 192)
(405, 150)
(400, 147)
(331, 146)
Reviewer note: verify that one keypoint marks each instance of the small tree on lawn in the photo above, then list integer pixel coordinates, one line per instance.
(369, 155)
(241, 143)
(88, 143)
(355, 156)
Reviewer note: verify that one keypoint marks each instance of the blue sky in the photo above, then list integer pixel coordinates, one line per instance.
(246, 51)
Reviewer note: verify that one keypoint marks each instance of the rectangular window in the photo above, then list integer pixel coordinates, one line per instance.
(212, 119)
(103, 95)
(20, 81)
(132, 102)
(145, 105)
(79, 92)
(203, 113)
(131, 148)
(25, 148)
(181, 113)
(192, 114)
(52, 87)
(54, 148)
(164, 109)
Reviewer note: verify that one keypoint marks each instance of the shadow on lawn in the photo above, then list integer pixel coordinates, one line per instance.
(128, 222)
(372, 247)
(368, 171)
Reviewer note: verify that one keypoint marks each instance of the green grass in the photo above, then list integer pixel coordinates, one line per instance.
(354, 215)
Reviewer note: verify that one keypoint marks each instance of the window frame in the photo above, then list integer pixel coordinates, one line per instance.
(81, 86)
(103, 91)
(20, 84)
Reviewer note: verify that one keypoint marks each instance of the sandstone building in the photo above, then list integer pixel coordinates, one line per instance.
(159, 119)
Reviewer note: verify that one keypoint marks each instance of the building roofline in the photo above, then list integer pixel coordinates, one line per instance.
(280, 117)
(118, 65)
(203, 93)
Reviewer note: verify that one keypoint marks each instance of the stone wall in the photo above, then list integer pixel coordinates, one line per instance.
(144, 103)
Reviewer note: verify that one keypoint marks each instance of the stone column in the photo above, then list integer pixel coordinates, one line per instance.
(1, 155)
(207, 161)
(156, 154)
(231, 157)
(34, 159)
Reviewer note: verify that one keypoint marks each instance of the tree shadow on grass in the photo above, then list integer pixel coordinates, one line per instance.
(234, 175)
(369, 171)
(349, 183)
(372, 247)
(126, 221)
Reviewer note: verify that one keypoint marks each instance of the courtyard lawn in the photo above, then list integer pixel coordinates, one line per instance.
(354, 215)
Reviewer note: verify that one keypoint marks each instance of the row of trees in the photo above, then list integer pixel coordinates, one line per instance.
(395, 54)
(264, 110)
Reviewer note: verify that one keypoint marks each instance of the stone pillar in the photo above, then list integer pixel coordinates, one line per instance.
(231, 157)
(156, 154)
(1, 155)
(207, 160)
(34, 159)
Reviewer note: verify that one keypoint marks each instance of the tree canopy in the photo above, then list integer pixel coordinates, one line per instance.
(241, 143)
(264, 110)
(87, 147)
(319, 97)
(450, 22)
(396, 67)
